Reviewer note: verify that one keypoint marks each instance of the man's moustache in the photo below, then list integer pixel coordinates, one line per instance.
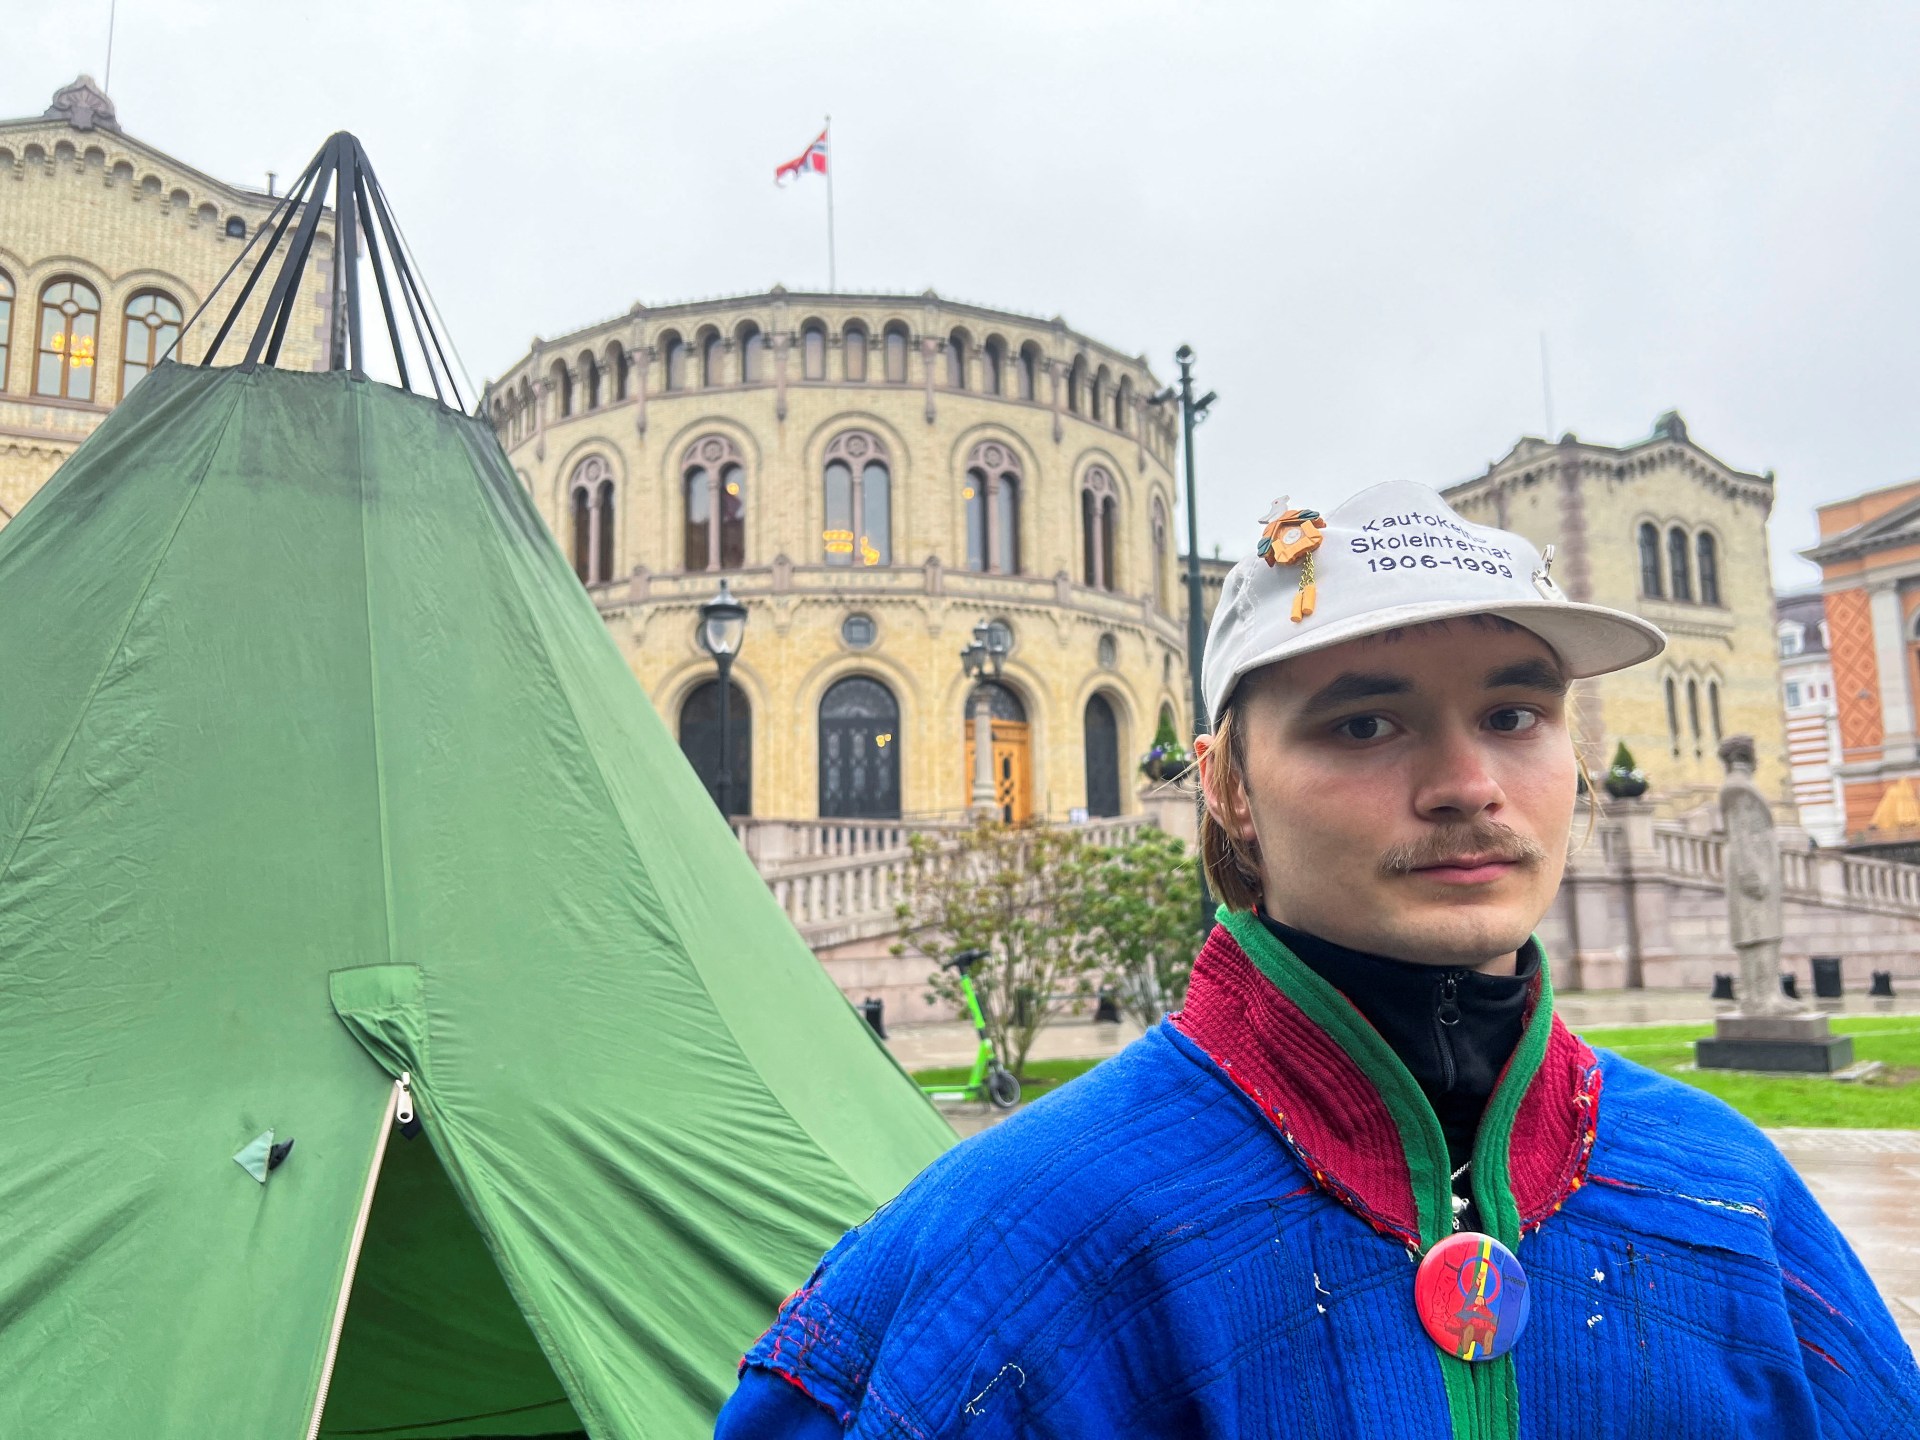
(1486, 841)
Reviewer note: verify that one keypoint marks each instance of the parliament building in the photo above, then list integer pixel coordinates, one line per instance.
(873, 476)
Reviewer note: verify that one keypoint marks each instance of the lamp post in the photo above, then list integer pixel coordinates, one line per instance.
(1192, 412)
(723, 625)
(984, 656)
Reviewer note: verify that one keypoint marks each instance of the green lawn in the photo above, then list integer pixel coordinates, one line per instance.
(1889, 1101)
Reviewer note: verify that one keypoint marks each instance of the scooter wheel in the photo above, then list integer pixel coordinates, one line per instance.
(1003, 1089)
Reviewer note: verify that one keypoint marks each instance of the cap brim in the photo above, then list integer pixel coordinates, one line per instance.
(1589, 639)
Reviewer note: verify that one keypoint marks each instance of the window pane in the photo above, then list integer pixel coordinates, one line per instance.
(813, 354)
(896, 357)
(990, 370)
(676, 365)
(752, 354)
(582, 530)
(1026, 376)
(1709, 571)
(1649, 561)
(1088, 541)
(711, 375)
(876, 546)
(1109, 512)
(603, 561)
(956, 365)
(837, 535)
(733, 518)
(854, 354)
(695, 557)
(1677, 564)
(974, 496)
(1006, 526)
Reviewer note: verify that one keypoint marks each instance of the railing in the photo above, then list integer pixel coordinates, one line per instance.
(850, 876)
(1688, 854)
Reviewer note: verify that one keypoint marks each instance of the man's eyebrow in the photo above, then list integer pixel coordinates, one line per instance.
(1350, 687)
(1529, 675)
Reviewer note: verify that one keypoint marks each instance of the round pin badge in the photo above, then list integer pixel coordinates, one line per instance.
(1471, 1295)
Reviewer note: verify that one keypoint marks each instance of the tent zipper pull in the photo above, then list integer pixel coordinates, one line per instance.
(403, 1102)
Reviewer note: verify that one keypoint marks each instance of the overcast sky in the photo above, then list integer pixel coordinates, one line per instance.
(1362, 216)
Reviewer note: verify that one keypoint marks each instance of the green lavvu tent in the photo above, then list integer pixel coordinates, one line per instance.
(317, 769)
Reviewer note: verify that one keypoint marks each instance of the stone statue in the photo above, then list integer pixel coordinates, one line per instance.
(1753, 881)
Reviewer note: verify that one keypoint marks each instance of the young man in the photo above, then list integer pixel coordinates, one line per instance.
(1365, 1184)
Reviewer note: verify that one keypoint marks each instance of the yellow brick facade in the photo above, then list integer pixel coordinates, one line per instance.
(1591, 502)
(597, 406)
(81, 200)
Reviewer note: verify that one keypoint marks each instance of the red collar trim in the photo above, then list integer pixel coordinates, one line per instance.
(1330, 1113)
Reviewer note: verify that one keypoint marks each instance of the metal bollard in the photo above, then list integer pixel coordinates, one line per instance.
(1722, 987)
(1882, 984)
(874, 1011)
(1826, 977)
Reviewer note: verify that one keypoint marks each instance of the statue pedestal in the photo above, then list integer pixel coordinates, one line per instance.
(1788, 1044)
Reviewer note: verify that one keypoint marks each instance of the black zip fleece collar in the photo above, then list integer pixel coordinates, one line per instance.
(1453, 1029)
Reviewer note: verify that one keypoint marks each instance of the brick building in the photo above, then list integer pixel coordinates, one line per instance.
(1869, 559)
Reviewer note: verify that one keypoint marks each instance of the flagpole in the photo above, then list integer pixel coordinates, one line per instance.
(831, 286)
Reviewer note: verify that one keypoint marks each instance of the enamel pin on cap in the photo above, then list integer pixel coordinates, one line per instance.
(1471, 1295)
(1289, 536)
(1396, 556)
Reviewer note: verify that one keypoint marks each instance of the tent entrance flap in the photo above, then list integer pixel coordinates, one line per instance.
(434, 1346)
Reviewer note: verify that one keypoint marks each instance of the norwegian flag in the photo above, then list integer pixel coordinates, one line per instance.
(813, 158)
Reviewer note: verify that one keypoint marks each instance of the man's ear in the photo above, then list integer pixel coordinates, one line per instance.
(1226, 798)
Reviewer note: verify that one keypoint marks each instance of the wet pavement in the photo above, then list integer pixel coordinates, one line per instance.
(1867, 1180)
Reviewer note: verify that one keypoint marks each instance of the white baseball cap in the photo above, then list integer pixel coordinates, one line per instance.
(1392, 556)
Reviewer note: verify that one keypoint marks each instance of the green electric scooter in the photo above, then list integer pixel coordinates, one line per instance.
(990, 1080)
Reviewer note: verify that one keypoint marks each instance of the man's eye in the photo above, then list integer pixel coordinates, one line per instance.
(1365, 727)
(1512, 720)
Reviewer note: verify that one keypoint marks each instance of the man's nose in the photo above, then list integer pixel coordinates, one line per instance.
(1456, 782)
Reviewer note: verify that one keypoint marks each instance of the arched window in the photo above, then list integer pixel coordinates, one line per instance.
(1097, 395)
(993, 365)
(1693, 712)
(713, 353)
(676, 352)
(859, 750)
(618, 363)
(592, 510)
(700, 742)
(561, 379)
(69, 337)
(853, 352)
(1713, 708)
(859, 496)
(1679, 568)
(1076, 383)
(1029, 371)
(1099, 505)
(1102, 734)
(1160, 556)
(813, 351)
(1650, 562)
(590, 378)
(714, 484)
(896, 345)
(6, 324)
(991, 495)
(1708, 555)
(1123, 403)
(1673, 716)
(957, 360)
(152, 330)
(753, 354)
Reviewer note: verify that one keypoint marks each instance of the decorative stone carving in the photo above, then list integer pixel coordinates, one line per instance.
(84, 106)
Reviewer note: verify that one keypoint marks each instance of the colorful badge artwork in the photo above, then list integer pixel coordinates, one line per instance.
(1471, 1295)
(1288, 535)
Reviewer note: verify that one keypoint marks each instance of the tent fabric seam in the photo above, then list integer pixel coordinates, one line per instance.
(119, 645)
(626, 832)
(373, 688)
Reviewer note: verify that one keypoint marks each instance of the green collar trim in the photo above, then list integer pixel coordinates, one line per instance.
(1483, 1399)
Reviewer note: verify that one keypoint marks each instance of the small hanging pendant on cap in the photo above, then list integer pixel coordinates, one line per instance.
(1289, 536)
(1471, 1295)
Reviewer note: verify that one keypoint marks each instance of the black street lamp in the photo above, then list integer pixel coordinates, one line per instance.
(723, 625)
(983, 657)
(1192, 412)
